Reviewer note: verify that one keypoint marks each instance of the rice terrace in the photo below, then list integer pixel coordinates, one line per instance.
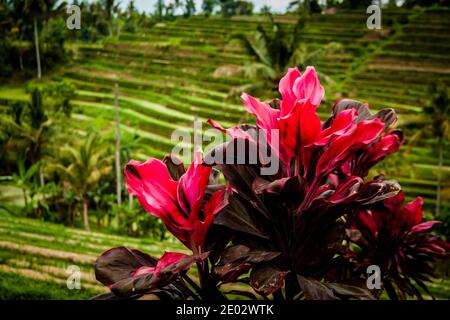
(350, 99)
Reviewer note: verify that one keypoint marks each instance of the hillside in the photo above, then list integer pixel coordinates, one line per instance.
(166, 77)
(42, 251)
(169, 75)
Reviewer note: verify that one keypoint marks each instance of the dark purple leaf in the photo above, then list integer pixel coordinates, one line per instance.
(237, 259)
(120, 263)
(121, 269)
(376, 191)
(349, 291)
(241, 216)
(266, 279)
(388, 116)
(174, 166)
(315, 290)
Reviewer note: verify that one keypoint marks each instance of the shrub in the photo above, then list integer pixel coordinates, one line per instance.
(306, 230)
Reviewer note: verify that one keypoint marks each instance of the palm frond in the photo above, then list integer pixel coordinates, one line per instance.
(258, 71)
(314, 56)
(253, 49)
(299, 27)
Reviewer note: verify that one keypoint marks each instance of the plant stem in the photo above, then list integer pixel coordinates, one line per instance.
(196, 295)
(192, 283)
(439, 176)
(85, 214)
(278, 295)
(25, 198)
(36, 44)
(201, 274)
(118, 166)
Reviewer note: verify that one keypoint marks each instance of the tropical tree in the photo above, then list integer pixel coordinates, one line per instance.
(95, 24)
(208, 6)
(82, 166)
(265, 10)
(159, 10)
(131, 8)
(434, 119)
(189, 8)
(310, 6)
(177, 4)
(17, 20)
(131, 15)
(60, 93)
(227, 8)
(40, 10)
(424, 3)
(230, 8)
(23, 177)
(110, 6)
(243, 7)
(438, 115)
(27, 130)
(354, 4)
(36, 9)
(276, 49)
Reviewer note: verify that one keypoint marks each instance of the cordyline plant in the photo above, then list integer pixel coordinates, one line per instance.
(307, 231)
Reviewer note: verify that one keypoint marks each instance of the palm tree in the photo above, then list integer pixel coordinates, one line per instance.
(36, 9)
(29, 131)
(159, 10)
(110, 7)
(23, 178)
(40, 10)
(189, 8)
(438, 113)
(17, 18)
(36, 135)
(307, 6)
(208, 7)
(435, 119)
(275, 51)
(82, 168)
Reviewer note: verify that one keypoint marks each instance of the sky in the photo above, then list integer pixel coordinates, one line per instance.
(149, 5)
(278, 6)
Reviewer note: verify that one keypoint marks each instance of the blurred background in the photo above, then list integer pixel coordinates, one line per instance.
(85, 86)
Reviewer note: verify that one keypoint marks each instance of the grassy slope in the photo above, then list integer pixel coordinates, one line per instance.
(167, 77)
(43, 251)
(165, 83)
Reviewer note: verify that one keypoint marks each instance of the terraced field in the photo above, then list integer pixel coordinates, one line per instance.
(173, 65)
(168, 76)
(397, 74)
(44, 252)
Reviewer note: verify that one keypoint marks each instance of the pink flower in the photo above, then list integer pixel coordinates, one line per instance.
(168, 259)
(302, 135)
(394, 236)
(177, 203)
(296, 120)
(127, 272)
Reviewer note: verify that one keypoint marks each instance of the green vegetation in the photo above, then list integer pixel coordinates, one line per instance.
(44, 251)
(170, 70)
